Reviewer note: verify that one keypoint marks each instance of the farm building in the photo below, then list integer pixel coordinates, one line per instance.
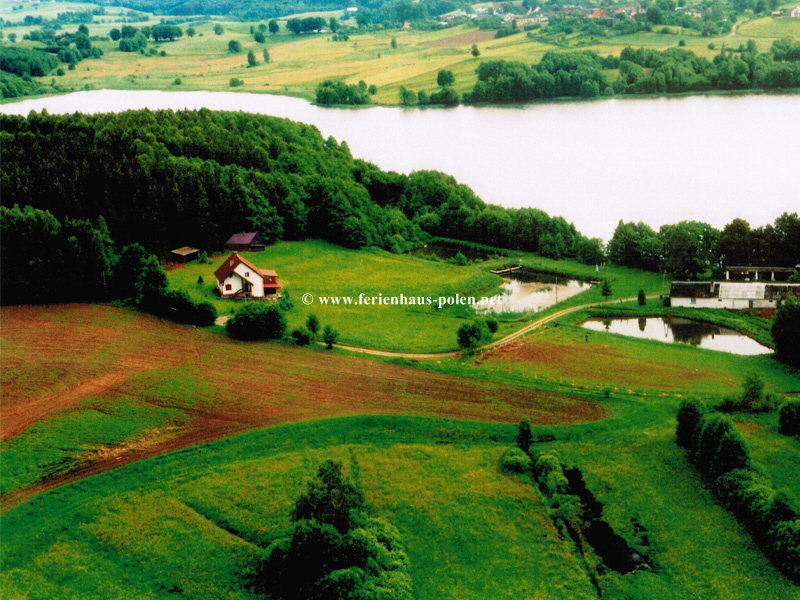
(237, 277)
(245, 242)
(733, 295)
(184, 254)
(758, 273)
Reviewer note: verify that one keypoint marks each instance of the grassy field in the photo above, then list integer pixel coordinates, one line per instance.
(322, 269)
(299, 63)
(191, 522)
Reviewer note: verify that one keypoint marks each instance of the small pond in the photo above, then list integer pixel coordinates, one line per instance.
(535, 293)
(685, 331)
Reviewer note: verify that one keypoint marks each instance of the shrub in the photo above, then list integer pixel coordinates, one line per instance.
(177, 306)
(789, 418)
(330, 336)
(257, 321)
(642, 298)
(731, 454)
(712, 427)
(524, 436)
(752, 392)
(301, 337)
(472, 335)
(786, 331)
(515, 460)
(549, 474)
(312, 324)
(689, 415)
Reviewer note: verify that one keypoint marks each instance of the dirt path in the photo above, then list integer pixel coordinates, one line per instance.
(509, 338)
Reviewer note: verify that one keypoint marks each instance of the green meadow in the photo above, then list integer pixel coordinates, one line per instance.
(325, 270)
(192, 522)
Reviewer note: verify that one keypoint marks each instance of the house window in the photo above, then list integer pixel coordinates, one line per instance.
(693, 301)
(247, 273)
(228, 287)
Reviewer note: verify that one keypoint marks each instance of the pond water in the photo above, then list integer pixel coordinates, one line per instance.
(657, 160)
(534, 295)
(684, 331)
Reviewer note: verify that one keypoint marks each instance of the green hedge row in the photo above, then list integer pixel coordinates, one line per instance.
(718, 451)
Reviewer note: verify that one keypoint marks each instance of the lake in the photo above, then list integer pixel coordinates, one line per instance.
(657, 160)
(684, 331)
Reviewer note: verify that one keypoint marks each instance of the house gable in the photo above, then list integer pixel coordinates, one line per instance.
(237, 277)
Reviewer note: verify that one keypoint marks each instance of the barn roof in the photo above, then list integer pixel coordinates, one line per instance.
(246, 238)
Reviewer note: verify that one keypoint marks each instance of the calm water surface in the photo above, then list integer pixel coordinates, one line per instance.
(684, 331)
(657, 160)
(525, 296)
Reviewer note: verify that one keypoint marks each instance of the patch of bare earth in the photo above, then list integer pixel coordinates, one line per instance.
(244, 385)
(593, 362)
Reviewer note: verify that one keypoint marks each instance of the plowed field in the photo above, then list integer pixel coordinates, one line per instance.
(55, 358)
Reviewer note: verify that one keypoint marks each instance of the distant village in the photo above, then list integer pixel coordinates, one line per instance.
(541, 16)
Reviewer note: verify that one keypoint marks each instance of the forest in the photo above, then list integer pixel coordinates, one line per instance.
(585, 74)
(167, 179)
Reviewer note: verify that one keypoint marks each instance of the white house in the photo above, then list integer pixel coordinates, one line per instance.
(239, 278)
(796, 12)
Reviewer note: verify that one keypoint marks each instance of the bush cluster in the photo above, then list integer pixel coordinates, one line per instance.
(257, 321)
(335, 550)
(718, 451)
(789, 418)
(177, 306)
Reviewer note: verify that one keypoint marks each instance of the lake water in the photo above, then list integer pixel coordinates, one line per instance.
(685, 331)
(657, 160)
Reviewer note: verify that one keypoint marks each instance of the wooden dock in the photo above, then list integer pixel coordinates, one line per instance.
(506, 270)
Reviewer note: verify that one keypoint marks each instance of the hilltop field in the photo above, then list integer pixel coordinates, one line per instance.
(389, 58)
(197, 445)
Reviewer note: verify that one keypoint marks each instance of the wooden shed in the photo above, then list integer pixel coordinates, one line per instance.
(185, 254)
(245, 242)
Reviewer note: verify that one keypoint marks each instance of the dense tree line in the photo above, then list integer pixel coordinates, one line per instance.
(720, 454)
(690, 248)
(338, 92)
(166, 179)
(306, 25)
(44, 260)
(641, 71)
(26, 62)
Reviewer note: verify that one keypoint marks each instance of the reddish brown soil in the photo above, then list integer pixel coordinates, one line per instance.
(104, 353)
(465, 39)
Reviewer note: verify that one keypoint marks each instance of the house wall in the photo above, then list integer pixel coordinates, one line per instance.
(255, 279)
(729, 303)
(699, 302)
(234, 281)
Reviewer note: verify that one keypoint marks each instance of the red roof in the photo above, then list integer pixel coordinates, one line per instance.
(235, 259)
(597, 14)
